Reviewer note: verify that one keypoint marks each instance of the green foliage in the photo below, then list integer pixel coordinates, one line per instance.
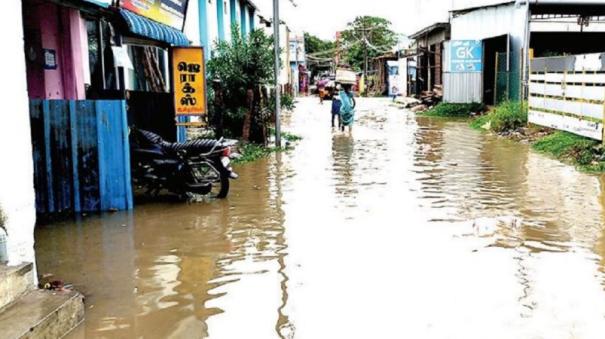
(238, 65)
(253, 152)
(314, 44)
(367, 34)
(291, 137)
(586, 153)
(454, 110)
(507, 116)
(566, 145)
(481, 122)
(287, 135)
(287, 102)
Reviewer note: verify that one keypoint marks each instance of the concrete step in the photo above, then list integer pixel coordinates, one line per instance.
(42, 314)
(15, 281)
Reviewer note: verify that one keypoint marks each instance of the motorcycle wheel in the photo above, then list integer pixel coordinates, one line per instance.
(224, 184)
(218, 175)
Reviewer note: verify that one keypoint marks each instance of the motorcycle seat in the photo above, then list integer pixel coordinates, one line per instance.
(193, 146)
(196, 146)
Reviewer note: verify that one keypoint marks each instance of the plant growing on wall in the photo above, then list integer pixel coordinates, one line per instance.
(239, 68)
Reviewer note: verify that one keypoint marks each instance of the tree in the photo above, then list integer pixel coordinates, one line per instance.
(366, 38)
(315, 46)
(240, 67)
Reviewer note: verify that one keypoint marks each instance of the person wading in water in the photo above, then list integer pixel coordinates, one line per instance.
(336, 110)
(347, 107)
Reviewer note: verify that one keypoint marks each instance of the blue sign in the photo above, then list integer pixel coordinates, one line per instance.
(50, 59)
(466, 56)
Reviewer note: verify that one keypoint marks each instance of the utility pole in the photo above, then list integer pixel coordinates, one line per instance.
(277, 62)
(365, 58)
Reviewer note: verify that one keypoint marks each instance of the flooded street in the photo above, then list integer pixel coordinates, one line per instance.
(408, 228)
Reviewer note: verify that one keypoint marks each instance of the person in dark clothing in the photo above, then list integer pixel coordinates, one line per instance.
(336, 111)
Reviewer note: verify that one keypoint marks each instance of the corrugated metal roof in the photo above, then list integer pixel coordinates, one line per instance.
(154, 30)
(533, 3)
(429, 29)
(475, 7)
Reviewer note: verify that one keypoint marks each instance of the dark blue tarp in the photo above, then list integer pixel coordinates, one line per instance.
(154, 30)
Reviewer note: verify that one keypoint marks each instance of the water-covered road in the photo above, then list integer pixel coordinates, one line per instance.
(408, 228)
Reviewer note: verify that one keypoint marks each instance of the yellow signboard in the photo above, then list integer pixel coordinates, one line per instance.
(189, 81)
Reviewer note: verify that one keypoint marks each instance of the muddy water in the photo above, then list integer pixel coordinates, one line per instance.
(408, 228)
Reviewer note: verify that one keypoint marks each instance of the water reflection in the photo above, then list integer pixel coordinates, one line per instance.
(173, 270)
(410, 227)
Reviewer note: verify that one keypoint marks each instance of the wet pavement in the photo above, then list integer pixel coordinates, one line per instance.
(408, 228)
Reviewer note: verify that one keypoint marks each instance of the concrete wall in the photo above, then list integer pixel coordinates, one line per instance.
(211, 22)
(284, 43)
(192, 23)
(16, 177)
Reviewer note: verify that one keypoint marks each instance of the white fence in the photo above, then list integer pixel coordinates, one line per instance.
(568, 93)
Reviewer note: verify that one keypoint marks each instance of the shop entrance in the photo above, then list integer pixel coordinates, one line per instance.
(491, 48)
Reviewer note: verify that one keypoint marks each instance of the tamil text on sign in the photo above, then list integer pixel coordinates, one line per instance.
(189, 81)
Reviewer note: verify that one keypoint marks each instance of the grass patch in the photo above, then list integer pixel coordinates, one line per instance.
(253, 152)
(507, 116)
(290, 137)
(454, 110)
(582, 152)
(286, 135)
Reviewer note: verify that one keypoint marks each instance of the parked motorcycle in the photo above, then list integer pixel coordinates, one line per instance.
(197, 167)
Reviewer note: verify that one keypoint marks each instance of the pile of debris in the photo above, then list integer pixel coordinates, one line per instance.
(432, 98)
(426, 100)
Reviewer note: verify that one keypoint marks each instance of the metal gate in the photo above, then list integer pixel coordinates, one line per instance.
(568, 93)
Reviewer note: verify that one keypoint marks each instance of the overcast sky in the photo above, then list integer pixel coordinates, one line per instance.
(324, 17)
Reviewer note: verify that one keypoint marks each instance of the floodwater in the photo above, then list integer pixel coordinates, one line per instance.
(408, 228)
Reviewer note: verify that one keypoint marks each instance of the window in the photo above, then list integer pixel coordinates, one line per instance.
(100, 74)
(150, 69)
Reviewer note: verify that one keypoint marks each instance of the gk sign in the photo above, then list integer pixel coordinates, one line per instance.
(466, 56)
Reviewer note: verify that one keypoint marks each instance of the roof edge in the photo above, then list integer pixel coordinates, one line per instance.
(429, 29)
(473, 8)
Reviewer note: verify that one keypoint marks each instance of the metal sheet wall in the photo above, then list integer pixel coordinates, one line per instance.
(81, 156)
(462, 87)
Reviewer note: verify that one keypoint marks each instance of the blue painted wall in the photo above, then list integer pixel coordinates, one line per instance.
(251, 20)
(203, 22)
(81, 156)
(243, 15)
(220, 15)
(233, 7)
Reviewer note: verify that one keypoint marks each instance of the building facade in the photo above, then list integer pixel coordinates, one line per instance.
(509, 33)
